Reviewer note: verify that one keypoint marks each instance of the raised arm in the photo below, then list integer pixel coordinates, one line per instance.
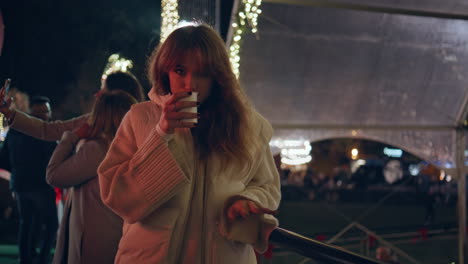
(134, 181)
(67, 169)
(49, 131)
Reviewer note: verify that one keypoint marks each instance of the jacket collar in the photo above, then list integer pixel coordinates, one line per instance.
(158, 99)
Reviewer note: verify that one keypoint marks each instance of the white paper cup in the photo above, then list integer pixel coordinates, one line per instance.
(191, 98)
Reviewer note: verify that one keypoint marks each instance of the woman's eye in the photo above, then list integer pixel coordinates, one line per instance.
(179, 71)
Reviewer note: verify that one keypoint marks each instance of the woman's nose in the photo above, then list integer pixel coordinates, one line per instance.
(190, 84)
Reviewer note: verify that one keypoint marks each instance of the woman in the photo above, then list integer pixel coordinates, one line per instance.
(89, 231)
(52, 131)
(192, 193)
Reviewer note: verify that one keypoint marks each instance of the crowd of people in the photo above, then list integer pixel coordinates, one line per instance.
(146, 181)
(367, 183)
(309, 184)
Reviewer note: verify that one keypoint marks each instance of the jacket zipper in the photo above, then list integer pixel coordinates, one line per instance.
(181, 241)
(202, 243)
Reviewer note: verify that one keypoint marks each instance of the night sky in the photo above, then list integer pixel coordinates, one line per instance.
(59, 48)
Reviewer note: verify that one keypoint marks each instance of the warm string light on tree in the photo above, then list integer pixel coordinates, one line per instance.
(169, 17)
(116, 63)
(247, 15)
(293, 151)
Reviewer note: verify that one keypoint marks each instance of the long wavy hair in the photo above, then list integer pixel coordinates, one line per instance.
(108, 111)
(225, 125)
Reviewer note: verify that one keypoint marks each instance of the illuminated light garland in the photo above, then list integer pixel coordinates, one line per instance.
(293, 152)
(247, 14)
(297, 161)
(116, 63)
(169, 17)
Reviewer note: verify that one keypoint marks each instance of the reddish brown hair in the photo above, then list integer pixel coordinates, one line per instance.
(108, 111)
(224, 126)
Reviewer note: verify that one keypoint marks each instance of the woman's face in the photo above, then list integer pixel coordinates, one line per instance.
(187, 76)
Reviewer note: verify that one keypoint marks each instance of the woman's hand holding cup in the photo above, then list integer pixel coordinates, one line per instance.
(172, 117)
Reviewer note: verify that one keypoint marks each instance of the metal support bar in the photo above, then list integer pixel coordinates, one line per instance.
(342, 232)
(317, 251)
(388, 244)
(461, 195)
(235, 7)
(379, 238)
(363, 127)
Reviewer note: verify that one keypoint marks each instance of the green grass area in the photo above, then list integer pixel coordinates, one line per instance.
(8, 254)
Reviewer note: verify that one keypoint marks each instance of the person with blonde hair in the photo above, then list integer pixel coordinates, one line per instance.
(89, 231)
(192, 192)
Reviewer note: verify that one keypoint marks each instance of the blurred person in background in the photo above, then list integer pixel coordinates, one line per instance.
(52, 131)
(89, 231)
(27, 159)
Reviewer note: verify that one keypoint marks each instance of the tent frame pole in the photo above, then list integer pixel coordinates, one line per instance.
(235, 7)
(462, 249)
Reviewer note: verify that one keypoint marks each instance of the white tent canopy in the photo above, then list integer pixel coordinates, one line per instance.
(390, 71)
(332, 72)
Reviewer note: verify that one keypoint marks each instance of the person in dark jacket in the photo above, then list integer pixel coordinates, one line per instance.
(27, 159)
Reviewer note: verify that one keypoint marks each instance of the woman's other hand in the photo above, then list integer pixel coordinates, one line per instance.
(171, 118)
(245, 208)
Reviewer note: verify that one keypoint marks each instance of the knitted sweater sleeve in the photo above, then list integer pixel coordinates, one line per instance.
(136, 180)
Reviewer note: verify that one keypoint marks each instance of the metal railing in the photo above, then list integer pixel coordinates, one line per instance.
(315, 250)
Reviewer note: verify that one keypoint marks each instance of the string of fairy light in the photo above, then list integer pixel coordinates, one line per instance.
(116, 63)
(169, 17)
(247, 15)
